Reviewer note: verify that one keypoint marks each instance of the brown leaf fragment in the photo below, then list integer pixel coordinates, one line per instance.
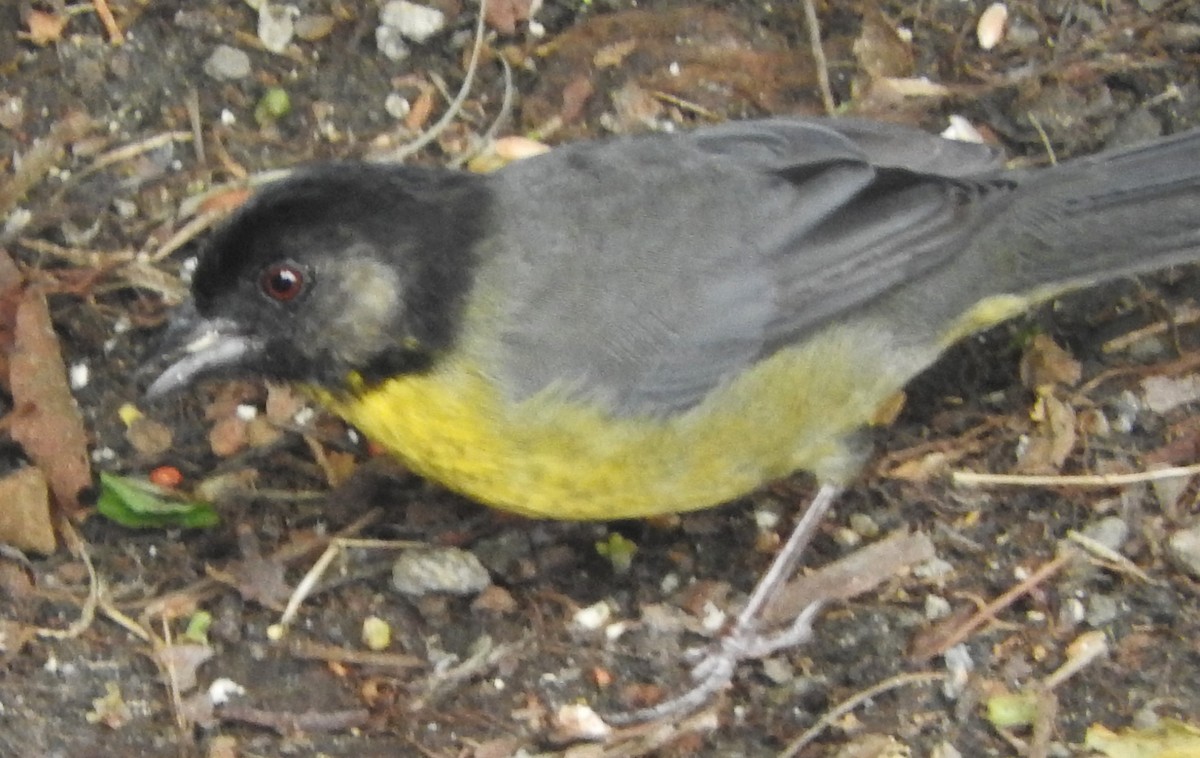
(283, 403)
(613, 54)
(574, 97)
(25, 521)
(256, 577)
(14, 636)
(880, 49)
(149, 437)
(44, 28)
(11, 282)
(182, 660)
(504, 15)
(46, 420)
(859, 572)
(1052, 443)
(1046, 364)
(228, 436)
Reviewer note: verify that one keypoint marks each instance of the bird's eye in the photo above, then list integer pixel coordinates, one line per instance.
(282, 281)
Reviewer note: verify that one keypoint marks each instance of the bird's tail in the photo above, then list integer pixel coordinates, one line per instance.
(1117, 213)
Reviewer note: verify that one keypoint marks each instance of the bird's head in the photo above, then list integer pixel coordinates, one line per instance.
(339, 269)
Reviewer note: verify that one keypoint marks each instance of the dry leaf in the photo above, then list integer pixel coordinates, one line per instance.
(418, 113)
(1045, 364)
(574, 97)
(614, 54)
(25, 521)
(1054, 440)
(44, 28)
(224, 201)
(149, 437)
(848, 577)
(923, 469)
(283, 403)
(228, 436)
(504, 15)
(45, 420)
(182, 660)
(880, 49)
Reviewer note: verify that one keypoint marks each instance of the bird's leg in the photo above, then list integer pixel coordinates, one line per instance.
(744, 640)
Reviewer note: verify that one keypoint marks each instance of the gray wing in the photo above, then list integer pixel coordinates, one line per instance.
(655, 268)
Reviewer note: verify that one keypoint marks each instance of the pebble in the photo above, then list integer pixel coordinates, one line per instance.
(391, 43)
(414, 22)
(227, 63)
(1101, 610)
(1110, 531)
(276, 26)
(447, 570)
(1184, 549)
(936, 607)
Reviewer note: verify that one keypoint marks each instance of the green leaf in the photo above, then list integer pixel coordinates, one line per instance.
(618, 550)
(138, 504)
(272, 106)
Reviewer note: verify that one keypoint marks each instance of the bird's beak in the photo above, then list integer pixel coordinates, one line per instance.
(194, 346)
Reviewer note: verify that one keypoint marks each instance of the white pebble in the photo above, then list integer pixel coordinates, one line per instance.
(79, 375)
(992, 24)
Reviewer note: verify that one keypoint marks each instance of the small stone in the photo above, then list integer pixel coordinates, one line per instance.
(593, 617)
(315, 27)
(391, 43)
(276, 26)
(936, 607)
(396, 105)
(1101, 610)
(1184, 549)
(1111, 532)
(227, 64)
(449, 570)
(778, 670)
(12, 111)
(992, 24)
(376, 633)
(414, 22)
(864, 525)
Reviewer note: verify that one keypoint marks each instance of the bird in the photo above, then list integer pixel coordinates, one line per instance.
(642, 325)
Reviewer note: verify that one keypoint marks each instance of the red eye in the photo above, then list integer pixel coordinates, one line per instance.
(282, 281)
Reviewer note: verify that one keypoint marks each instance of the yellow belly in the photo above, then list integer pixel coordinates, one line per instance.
(550, 456)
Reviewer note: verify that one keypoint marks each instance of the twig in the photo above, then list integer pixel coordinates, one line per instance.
(188, 597)
(334, 654)
(39, 159)
(279, 629)
(818, 52)
(398, 154)
(989, 611)
(499, 121)
(188, 232)
(134, 149)
(1037, 125)
(829, 717)
(1185, 315)
(973, 479)
(115, 35)
(192, 103)
(1110, 557)
(87, 613)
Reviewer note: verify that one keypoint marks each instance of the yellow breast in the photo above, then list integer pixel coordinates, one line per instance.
(553, 456)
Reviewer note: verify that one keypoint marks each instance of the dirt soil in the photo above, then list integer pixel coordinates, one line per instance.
(486, 674)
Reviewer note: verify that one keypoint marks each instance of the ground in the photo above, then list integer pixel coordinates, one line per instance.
(92, 219)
